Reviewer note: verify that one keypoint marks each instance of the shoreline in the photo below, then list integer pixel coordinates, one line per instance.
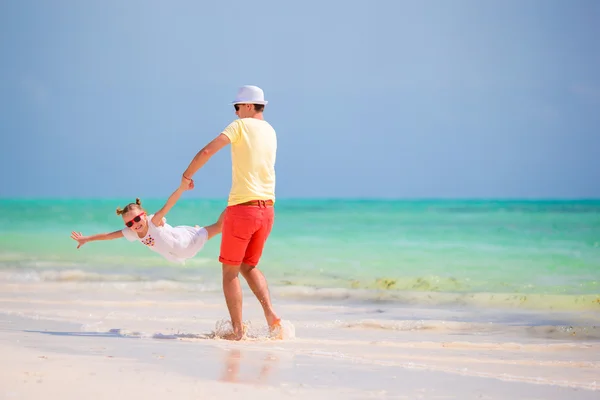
(482, 301)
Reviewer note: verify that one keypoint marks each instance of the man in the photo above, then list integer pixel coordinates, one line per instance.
(250, 213)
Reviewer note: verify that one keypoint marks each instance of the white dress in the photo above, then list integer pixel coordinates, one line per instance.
(175, 243)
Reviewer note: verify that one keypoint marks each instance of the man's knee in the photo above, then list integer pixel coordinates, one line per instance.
(245, 269)
(230, 271)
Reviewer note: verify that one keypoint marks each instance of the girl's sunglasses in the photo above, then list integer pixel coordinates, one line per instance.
(135, 219)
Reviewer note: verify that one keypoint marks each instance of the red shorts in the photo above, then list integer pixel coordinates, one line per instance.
(245, 231)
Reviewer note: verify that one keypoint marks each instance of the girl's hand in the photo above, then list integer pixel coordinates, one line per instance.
(79, 238)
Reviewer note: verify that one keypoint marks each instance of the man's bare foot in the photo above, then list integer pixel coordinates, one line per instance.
(233, 336)
(275, 330)
(237, 334)
(272, 319)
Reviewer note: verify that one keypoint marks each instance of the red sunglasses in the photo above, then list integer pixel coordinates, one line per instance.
(137, 218)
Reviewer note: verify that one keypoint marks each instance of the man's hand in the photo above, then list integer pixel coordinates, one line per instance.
(186, 183)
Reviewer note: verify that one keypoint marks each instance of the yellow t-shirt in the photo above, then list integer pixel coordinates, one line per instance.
(253, 151)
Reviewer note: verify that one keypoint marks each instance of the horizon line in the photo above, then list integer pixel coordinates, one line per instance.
(321, 198)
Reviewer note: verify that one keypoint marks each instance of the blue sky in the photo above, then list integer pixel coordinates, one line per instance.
(401, 99)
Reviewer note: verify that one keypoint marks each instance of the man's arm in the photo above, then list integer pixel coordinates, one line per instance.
(204, 155)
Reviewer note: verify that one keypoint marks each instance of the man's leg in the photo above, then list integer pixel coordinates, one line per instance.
(233, 297)
(255, 278)
(257, 282)
(237, 233)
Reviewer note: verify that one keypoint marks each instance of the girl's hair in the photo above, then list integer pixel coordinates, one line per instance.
(131, 206)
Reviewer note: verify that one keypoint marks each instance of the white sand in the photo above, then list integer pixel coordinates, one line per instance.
(99, 341)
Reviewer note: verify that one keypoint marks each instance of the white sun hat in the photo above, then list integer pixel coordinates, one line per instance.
(249, 94)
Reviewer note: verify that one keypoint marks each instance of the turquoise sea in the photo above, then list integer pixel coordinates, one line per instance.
(525, 254)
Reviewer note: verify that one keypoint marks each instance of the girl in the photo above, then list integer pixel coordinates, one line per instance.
(175, 243)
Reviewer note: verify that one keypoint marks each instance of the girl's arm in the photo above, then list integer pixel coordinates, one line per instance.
(101, 236)
(157, 219)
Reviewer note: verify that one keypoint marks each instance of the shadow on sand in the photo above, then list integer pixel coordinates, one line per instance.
(120, 333)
